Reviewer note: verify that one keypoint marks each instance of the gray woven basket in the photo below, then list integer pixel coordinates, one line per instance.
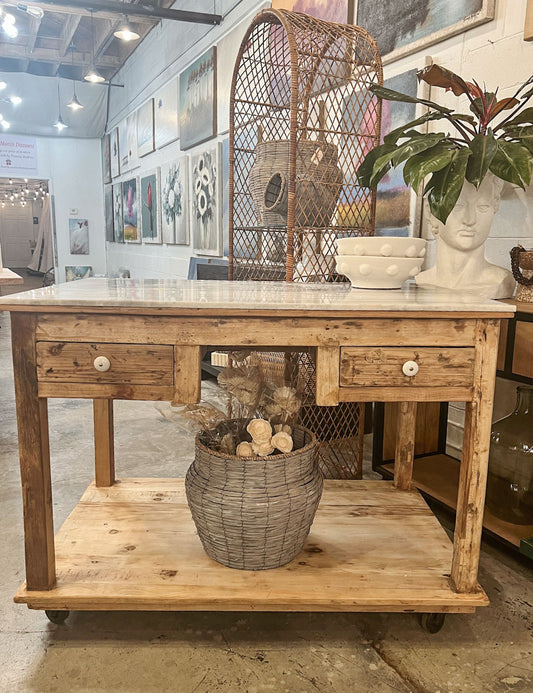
(254, 514)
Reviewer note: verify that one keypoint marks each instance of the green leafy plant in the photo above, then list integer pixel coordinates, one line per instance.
(496, 136)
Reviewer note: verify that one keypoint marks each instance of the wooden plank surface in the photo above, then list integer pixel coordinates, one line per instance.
(104, 449)
(405, 445)
(405, 394)
(327, 376)
(371, 548)
(150, 393)
(523, 349)
(426, 431)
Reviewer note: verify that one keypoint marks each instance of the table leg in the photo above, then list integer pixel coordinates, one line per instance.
(34, 452)
(405, 445)
(104, 451)
(474, 463)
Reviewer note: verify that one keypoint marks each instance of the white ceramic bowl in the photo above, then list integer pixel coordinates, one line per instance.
(373, 272)
(385, 246)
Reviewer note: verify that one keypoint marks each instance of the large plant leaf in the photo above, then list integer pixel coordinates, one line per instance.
(394, 135)
(526, 116)
(503, 105)
(415, 146)
(522, 133)
(484, 148)
(366, 169)
(421, 165)
(438, 76)
(391, 95)
(513, 163)
(446, 185)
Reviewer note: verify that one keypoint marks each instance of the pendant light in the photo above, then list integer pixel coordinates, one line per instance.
(74, 103)
(93, 75)
(125, 32)
(59, 124)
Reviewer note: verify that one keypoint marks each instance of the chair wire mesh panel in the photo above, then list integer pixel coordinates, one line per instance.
(302, 118)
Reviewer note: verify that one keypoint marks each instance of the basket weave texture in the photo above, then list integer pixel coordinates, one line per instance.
(254, 514)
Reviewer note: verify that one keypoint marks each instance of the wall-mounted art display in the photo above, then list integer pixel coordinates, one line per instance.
(197, 100)
(129, 211)
(149, 208)
(205, 208)
(106, 158)
(340, 11)
(175, 201)
(166, 114)
(74, 272)
(145, 128)
(224, 193)
(115, 158)
(123, 146)
(79, 236)
(108, 213)
(118, 219)
(131, 129)
(401, 28)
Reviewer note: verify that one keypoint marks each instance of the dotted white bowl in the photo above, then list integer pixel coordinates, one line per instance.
(374, 272)
(384, 246)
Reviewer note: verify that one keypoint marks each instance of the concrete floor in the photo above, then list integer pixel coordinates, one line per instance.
(144, 652)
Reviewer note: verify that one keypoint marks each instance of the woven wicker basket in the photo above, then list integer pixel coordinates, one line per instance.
(254, 514)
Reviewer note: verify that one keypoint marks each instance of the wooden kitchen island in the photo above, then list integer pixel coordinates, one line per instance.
(131, 543)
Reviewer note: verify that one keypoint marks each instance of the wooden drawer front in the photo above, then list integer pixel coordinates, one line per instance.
(129, 363)
(382, 367)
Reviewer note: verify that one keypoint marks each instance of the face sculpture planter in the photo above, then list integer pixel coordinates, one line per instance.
(461, 262)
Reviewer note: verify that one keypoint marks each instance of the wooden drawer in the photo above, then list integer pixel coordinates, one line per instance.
(382, 367)
(129, 364)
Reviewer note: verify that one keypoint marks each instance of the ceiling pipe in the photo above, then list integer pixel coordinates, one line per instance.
(142, 9)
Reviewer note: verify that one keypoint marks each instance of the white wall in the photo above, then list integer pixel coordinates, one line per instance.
(73, 168)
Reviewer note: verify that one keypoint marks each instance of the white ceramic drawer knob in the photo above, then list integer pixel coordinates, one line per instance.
(410, 368)
(102, 363)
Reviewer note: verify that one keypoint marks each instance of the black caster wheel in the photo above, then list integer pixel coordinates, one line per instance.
(57, 617)
(431, 622)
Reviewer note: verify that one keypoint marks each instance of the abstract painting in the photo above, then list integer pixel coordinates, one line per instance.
(131, 129)
(175, 201)
(123, 146)
(108, 213)
(145, 128)
(74, 272)
(79, 236)
(166, 114)
(118, 219)
(129, 211)
(401, 28)
(115, 158)
(337, 11)
(197, 100)
(204, 202)
(106, 158)
(149, 201)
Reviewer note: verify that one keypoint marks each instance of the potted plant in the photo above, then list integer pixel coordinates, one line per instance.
(492, 143)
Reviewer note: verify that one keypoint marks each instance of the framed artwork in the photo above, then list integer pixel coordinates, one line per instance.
(75, 272)
(108, 213)
(145, 128)
(339, 11)
(223, 157)
(115, 158)
(197, 100)
(79, 236)
(123, 146)
(131, 139)
(401, 28)
(118, 219)
(129, 211)
(149, 208)
(166, 114)
(205, 207)
(106, 158)
(175, 201)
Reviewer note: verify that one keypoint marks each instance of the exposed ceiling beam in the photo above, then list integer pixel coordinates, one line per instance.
(80, 12)
(51, 55)
(68, 31)
(35, 23)
(142, 9)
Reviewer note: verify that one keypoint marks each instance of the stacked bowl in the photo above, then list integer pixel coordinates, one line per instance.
(380, 262)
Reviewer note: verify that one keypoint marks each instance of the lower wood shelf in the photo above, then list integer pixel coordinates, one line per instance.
(133, 546)
(438, 476)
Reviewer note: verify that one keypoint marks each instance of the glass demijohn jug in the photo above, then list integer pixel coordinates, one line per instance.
(510, 478)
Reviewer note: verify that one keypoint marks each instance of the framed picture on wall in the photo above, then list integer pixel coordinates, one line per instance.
(118, 219)
(401, 28)
(131, 138)
(106, 158)
(123, 146)
(115, 155)
(205, 205)
(174, 184)
(108, 213)
(79, 236)
(130, 211)
(197, 100)
(145, 128)
(74, 272)
(166, 114)
(149, 208)
(339, 11)
(223, 158)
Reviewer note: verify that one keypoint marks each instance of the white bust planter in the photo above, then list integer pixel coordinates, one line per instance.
(461, 263)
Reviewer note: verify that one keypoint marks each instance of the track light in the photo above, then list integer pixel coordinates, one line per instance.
(125, 32)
